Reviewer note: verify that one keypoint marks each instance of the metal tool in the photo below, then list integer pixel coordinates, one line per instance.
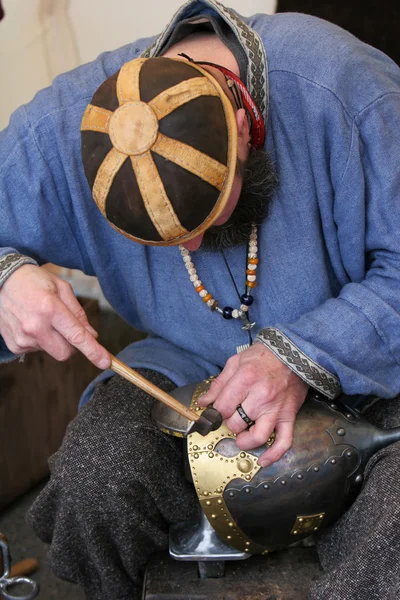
(209, 420)
(7, 583)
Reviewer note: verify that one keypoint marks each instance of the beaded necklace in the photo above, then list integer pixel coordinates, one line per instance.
(246, 299)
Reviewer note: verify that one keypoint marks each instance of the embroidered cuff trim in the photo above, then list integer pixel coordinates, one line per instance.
(312, 373)
(10, 263)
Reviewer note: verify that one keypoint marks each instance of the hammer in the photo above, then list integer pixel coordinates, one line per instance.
(209, 420)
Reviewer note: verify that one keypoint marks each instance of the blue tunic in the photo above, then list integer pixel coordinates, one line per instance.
(329, 272)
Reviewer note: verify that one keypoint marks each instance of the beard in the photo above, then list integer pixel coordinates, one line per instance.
(259, 183)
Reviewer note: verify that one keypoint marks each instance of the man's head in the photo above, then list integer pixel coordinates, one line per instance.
(161, 141)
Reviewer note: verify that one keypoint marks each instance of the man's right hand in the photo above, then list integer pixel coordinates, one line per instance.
(39, 311)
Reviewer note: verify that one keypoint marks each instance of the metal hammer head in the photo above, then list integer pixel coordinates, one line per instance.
(210, 420)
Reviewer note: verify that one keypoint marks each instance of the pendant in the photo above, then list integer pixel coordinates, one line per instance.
(247, 325)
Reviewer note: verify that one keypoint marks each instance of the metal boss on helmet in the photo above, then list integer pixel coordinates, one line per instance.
(159, 149)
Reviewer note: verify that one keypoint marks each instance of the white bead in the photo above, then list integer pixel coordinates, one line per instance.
(189, 265)
(192, 271)
(251, 277)
(203, 293)
(197, 283)
(193, 277)
(251, 267)
(184, 251)
(244, 308)
(235, 313)
(252, 255)
(187, 258)
(210, 303)
(253, 248)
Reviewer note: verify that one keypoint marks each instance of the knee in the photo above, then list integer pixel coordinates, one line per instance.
(112, 443)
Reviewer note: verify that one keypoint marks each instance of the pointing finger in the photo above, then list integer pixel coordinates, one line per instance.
(67, 295)
(77, 335)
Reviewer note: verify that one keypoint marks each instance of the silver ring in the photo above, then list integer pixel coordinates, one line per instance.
(243, 415)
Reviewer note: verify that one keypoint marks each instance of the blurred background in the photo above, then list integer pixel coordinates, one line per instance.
(41, 38)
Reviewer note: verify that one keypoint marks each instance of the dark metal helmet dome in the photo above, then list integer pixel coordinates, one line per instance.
(159, 149)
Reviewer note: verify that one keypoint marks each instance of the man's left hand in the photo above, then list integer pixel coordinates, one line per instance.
(270, 394)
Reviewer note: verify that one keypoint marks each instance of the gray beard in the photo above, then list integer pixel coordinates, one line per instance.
(259, 183)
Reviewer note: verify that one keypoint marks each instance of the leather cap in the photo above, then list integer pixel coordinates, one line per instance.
(159, 149)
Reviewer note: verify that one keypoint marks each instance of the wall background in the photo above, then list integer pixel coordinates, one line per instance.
(41, 38)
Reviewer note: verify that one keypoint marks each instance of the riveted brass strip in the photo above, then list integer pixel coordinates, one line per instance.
(105, 176)
(211, 474)
(128, 81)
(155, 197)
(96, 119)
(172, 432)
(187, 157)
(174, 97)
(307, 524)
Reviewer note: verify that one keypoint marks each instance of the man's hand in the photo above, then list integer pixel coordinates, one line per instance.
(39, 311)
(270, 394)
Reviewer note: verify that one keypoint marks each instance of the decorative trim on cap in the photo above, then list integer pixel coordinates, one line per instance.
(155, 197)
(187, 157)
(181, 93)
(128, 89)
(301, 364)
(96, 119)
(105, 177)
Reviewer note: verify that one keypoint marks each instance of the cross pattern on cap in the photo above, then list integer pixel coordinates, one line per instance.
(133, 129)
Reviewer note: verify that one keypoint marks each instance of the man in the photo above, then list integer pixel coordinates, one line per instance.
(326, 304)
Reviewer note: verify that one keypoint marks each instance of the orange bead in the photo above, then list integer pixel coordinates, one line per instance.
(250, 272)
(207, 298)
(253, 261)
(251, 284)
(198, 289)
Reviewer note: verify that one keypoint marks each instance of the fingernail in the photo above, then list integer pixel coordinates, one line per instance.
(104, 363)
(264, 463)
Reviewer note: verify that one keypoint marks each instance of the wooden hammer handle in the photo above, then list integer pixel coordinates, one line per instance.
(134, 377)
(24, 567)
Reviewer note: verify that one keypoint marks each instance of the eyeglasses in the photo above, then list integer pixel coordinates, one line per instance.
(242, 99)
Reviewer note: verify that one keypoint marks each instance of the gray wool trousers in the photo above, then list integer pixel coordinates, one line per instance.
(117, 483)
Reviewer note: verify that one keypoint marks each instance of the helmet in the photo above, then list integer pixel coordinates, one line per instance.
(159, 150)
(260, 509)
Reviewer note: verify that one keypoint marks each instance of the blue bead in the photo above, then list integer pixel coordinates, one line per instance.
(247, 300)
(227, 312)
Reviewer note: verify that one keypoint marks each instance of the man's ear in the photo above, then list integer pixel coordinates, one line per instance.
(243, 134)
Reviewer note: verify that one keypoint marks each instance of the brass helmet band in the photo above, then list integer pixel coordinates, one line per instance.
(159, 149)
